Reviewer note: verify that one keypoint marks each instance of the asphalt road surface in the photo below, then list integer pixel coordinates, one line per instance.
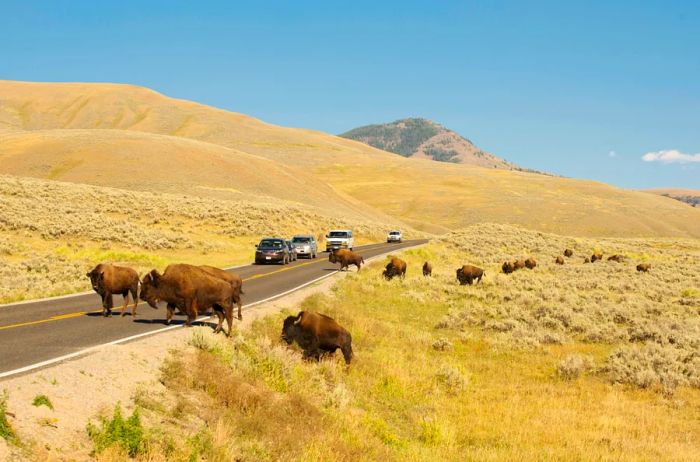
(32, 333)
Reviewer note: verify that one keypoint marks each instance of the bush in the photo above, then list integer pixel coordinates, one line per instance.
(573, 366)
(42, 400)
(128, 434)
(6, 431)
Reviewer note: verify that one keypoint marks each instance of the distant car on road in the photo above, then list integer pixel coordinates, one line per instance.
(305, 245)
(272, 250)
(339, 239)
(292, 251)
(394, 236)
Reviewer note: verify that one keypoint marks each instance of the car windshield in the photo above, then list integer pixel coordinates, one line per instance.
(301, 240)
(271, 243)
(394, 232)
(338, 234)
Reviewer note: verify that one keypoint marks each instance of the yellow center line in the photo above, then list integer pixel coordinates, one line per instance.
(99, 310)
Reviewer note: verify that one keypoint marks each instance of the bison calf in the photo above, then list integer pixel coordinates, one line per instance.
(530, 263)
(507, 267)
(559, 261)
(317, 333)
(468, 273)
(396, 267)
(616, 258)
(518, 264)
(427, 269)
(346, 258)
(568, 253)
(643, 267)
(108, 279)
(596, 256)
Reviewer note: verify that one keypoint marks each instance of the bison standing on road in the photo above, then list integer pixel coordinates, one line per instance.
(346, 258)
(644, 267)
(316, 333)
(427, 269)
(530, 263)
(189, 289)
(233, 279)
(559, 260)
(507, 267)
(396, 267)
(108, 279)
(468, 273)
(568, 253)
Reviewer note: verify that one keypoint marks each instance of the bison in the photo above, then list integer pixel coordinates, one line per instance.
(518, 264)
(507, 267)
(616, 258)
(396, 267)
(109, 279)
(190, 289)
(596, 256)
(586, 260)
(427, 269)
(346, 258)
(233, 279)
(530, 263)
(468, 273)
(317, 333)
(568, 253)
(559, 261)
(643, 267)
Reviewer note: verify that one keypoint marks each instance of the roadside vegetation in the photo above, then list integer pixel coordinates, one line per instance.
(52, 233)
(573, 362)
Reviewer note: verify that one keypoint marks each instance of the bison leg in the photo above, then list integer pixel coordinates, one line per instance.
(126, 303)
(220, 315)
(169, 314)
(347, 352)
(107, 304)
(237, 299)
(135, 296)
(229, 316)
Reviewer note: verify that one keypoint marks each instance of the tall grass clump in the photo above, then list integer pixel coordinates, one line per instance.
(127, 433)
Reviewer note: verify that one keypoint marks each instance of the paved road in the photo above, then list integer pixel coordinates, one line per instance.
(39, 331)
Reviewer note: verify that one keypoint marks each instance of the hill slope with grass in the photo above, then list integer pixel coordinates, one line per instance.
(131, 137)
(689, 196)
(416, 137)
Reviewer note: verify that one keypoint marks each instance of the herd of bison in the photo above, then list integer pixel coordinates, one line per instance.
(194, 289)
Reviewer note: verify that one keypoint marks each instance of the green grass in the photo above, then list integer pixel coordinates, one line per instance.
(42, 400)
(128, 433)
(6, 431)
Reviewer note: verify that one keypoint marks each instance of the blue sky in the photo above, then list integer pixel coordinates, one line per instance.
(582, 89)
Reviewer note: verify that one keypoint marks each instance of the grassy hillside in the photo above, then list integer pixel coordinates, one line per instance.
(91, 133)
(52, 232)
(575, 362)
(426, 139)
(689, 196)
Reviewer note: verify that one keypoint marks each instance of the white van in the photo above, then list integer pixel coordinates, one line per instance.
(339, 239)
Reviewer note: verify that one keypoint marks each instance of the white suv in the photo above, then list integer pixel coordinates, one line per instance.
(339, 239)
(394, 236)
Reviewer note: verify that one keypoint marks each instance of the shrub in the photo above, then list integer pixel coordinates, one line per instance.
(572, 366)
(42, 400)
(128, 434)
(6, 431)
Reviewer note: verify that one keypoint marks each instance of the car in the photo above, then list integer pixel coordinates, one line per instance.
(394, 236)
(305, 245)
(272, 250)
(292, 251)
(339, 239)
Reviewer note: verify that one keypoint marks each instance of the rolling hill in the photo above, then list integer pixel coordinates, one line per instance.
(133, 138)
(416, 137)
(689, 196)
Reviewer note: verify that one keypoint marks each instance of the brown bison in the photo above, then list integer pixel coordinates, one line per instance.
(427, 269)
(317, 333)
(346, 258)
(468, 273)
(617, 258)
(190, 289)
(586, 260)
(396, 267)
(507, 267)
(559, 261)
(518, 264)
(596, 256)
(530, 263)
(233, 279)
(568, 253)
(643, 267)
(108, 279)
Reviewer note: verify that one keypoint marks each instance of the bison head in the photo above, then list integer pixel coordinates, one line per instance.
(149, 288)
(290, 328)
(97, 277)
(332, 258)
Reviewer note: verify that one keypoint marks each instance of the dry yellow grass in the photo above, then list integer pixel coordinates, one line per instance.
(93, 132)
(438, 375)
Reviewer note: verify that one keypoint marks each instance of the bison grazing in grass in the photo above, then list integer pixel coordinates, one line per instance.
(518, 264)
(596, 256)
(316, 333)
(468, 273)
(108, 279)
(586, 260)
(530, 263)
(568, 253)
(233, 279)
(616, 258)
(396, 267)
(507, 267)
(643, 267)
(427, 269)
(189, 289)
(346, 258)
(559, 260)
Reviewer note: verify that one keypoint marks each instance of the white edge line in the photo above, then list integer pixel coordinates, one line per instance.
(84, 351)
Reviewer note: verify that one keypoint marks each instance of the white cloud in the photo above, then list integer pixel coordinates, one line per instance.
(670, 156)
(612, 154)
